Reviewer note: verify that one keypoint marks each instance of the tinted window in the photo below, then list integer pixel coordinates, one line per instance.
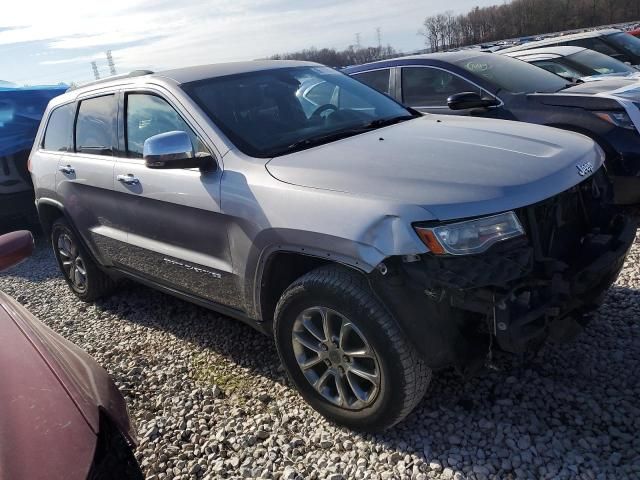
(378, 79)
(57, 137)
(96, 125)
(592, 44)
(600, 63)
(558, 69)
(265, 113)
(149, 115)
(628, 44)
(512, 75)
(431, 87)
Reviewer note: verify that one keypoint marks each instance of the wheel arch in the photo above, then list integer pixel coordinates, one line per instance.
(280, 267)
(48, 212)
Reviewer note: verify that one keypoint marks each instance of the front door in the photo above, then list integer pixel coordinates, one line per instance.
(177, 235)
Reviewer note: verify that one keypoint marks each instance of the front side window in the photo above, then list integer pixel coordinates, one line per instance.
(510, 74)
(96, 125)
(269, 113)
(431, 87)
(149, 115)
(57, 136)
(378, 79)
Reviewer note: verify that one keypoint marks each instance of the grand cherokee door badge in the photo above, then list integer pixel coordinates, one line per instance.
(192, 268)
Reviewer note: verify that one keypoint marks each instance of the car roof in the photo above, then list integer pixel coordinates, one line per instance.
(562, 38)
(195, 73)
(562, 51)
(435, 57)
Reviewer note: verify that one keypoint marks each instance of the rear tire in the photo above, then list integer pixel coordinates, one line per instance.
(81, 273)
(361, 337)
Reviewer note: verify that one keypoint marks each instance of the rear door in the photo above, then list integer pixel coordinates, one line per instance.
(177, 233)
(85, 176)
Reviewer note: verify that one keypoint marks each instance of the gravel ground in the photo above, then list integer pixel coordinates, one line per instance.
(211, 401)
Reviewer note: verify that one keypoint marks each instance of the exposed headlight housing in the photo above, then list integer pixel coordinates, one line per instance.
(619, 119)
(471, 236)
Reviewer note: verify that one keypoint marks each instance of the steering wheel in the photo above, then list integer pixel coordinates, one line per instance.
(321, 109)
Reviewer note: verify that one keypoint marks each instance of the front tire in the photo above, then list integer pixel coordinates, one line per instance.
(345, 353)
(81, 273)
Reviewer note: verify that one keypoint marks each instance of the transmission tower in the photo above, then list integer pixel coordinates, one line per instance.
(358, 40)
(96, 74)
(379, 37)
(112, 65)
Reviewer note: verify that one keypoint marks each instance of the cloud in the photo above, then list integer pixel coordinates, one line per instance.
(165, 33)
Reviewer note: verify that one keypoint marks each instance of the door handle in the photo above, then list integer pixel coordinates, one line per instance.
(67, 170)
(128, 179)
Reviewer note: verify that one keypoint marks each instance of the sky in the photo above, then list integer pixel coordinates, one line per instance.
(48, 41)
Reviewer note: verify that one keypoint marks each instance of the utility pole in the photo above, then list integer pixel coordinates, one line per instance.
(96, 74)
(112, 65)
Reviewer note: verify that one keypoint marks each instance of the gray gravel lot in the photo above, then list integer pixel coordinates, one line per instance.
(211, 401)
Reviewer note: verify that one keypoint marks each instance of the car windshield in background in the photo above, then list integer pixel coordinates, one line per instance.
(600, 63)
(627, 43)
(512, 75)
(274, 112)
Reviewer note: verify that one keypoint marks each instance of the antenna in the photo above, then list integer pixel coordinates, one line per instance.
(96, 74)
(112, 65)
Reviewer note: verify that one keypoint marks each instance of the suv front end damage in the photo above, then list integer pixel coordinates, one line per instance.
(518, 292)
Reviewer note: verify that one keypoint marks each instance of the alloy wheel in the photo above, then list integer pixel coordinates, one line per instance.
(72, 263)
(336, 358)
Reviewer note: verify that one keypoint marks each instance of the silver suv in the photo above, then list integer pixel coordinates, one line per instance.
(375, 244)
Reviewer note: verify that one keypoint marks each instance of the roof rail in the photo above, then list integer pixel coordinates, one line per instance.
(134, 73)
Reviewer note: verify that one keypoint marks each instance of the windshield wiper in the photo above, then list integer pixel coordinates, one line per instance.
(340, 134)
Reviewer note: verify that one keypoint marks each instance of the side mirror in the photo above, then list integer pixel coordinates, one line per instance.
(172, 150)
(15, 247)
(467, 100)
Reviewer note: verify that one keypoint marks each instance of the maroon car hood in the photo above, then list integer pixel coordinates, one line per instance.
(50, 400)
(43, 435)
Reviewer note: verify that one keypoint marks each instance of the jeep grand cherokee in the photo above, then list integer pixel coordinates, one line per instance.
(375, 244)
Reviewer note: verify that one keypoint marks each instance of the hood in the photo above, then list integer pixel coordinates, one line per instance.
(452, 166)
(604, 85)
(43, 434)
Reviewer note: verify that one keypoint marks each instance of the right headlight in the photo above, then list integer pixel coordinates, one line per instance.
(619, 119)
(471, 236)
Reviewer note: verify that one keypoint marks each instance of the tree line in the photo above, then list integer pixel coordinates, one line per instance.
(521, 18)
(353, 55)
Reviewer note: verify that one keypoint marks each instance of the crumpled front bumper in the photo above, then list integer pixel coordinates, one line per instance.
(515, 295)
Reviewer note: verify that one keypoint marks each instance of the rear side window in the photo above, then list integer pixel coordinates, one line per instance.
(431, 87)
(149, 115)
(96, 125)
(378, 79)
(57, 136)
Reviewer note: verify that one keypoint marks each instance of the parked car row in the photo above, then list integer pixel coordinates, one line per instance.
(374, 243)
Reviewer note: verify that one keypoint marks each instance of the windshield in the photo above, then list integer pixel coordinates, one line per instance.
(600, 63)
(629, 44)
(272, 112)
(512, 75)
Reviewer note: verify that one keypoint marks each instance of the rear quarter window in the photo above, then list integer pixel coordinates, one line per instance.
(57, 136)
(378, 79)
